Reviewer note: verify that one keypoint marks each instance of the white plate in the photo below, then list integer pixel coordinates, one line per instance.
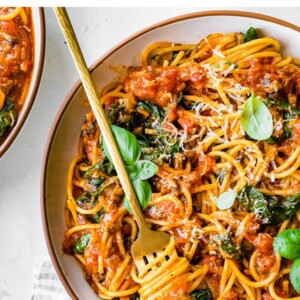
(63, 139)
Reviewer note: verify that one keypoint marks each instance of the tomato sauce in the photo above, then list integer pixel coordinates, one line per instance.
(293, 142)
(161, 84)
(16, 61)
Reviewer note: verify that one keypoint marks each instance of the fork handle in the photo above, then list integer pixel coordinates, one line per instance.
(91, 92)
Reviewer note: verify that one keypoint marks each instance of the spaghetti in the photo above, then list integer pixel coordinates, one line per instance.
(16, 59)
(184, 105)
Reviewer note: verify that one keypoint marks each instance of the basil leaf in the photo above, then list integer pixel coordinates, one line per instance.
(146, 169)
(226, 200)
(133, 172)
(256, 119)
(287, 243)
(82, 243)
(138, 171)
(294, 275)
(143, 193)
(127, 143)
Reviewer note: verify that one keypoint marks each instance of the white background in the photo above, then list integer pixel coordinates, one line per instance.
(98, 29)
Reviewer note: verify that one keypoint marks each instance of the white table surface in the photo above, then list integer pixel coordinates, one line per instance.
(98, 29)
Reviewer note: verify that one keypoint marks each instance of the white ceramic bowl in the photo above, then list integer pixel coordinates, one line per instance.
(38, 24)
(64, 136)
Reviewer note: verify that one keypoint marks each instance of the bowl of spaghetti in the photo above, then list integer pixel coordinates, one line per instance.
(22, 43)
(215, 108)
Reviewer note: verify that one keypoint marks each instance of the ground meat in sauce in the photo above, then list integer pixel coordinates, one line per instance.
(263, 242)
(160, 84)
(154, 83)
(293, 142)
(265, 78)
(15, 55)
(267, 296)
(290, 77)
(16, 60)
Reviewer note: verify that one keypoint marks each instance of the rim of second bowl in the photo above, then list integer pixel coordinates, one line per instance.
(8, 141)
(78, 84)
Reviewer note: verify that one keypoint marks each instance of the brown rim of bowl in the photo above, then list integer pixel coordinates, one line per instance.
(29, 102)
(78, 85)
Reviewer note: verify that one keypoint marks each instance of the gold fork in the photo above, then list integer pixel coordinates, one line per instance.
(149, 244)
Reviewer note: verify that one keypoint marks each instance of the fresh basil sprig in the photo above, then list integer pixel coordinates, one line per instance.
(138, 170)
(256, 119)
(287, 244)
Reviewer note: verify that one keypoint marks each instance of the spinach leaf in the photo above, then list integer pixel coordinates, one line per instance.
(93, 174)
(152, 109)
(104, 165)
(84, 197)
(158, 156)
(101, 189)
(96, 218)
(282, 209)
(114, 111)
(271, 209)
(156, 115)
(229, 246)
(142, 140)
(256, 119)
(251, 34)
(294, 275)
(143, 193)
(201, 294)
(254, 201)
(96, 182)
(82, 243)
(90, 197)
(287, 243)
(226, 242)
(226, 200)
(283, 106)
(287, 134)
(161, 147)
(8, 116)
(288, 113)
